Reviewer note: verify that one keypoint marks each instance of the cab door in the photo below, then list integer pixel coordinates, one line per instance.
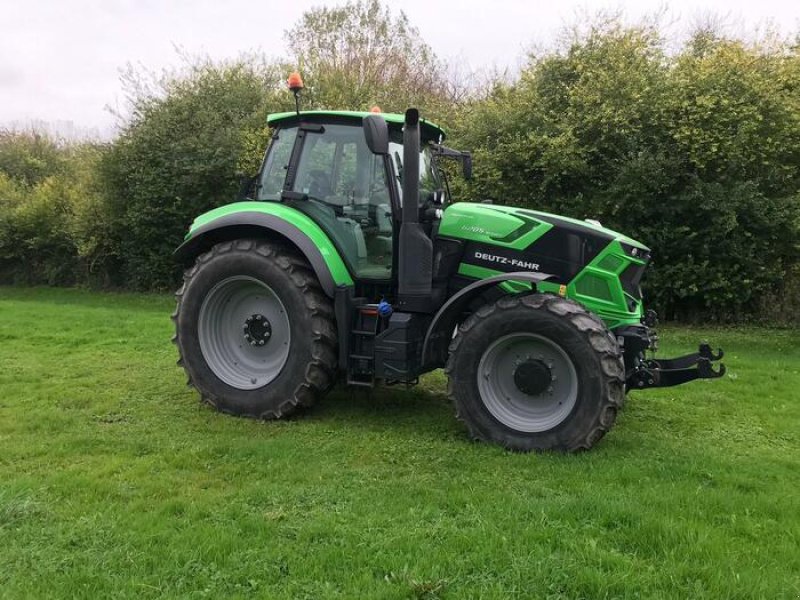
(348, 195)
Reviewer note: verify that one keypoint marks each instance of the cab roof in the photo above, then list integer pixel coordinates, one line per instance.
(428, 129)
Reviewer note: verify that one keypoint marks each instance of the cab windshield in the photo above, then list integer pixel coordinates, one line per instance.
(431, 185)
(273, 174)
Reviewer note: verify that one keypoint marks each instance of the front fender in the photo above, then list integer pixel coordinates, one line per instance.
(440, 331)
(268, 219)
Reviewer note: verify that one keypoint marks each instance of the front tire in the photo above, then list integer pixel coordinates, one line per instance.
(536, 372)
(254, 331)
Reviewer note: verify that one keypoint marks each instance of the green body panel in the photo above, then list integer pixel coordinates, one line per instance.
(597, 286)
(429, 130)
(336, 266)
(489, 224)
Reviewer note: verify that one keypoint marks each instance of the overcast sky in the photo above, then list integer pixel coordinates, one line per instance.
(60, 59)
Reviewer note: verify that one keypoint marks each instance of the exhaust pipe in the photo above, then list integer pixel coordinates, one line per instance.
(415, 261)
(411, 145)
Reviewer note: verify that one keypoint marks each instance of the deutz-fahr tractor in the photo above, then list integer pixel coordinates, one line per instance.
(348, 260)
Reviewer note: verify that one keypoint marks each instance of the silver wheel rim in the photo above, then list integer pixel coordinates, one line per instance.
(244, 332)
(521, 411)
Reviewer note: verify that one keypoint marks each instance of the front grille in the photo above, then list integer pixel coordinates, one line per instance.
(594, 287)
(630, 279)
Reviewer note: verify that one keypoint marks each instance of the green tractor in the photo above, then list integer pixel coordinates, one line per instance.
(347, 260)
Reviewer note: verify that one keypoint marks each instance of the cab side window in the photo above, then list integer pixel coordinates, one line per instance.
(348, 196)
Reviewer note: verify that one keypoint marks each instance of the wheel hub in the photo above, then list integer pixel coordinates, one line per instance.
(257, 330)
(532, 377)
(527, 382)
(244, 332)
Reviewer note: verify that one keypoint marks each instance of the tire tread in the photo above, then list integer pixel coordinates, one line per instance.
(591, 328)
(319, 375)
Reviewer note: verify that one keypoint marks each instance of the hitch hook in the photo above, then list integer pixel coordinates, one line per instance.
(707, 353)
(706, 370)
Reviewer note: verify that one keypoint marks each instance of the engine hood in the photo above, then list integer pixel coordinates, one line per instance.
(506, 239)
(492, 224)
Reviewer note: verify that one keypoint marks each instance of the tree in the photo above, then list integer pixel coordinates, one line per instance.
(29, 157)
(359, 55)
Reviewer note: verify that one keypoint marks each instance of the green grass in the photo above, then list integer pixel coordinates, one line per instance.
(115, 481)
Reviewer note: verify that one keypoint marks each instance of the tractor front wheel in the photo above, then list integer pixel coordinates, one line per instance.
(254, 331)
(536, 372)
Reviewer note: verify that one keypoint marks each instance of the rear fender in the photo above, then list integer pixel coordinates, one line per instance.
(440, 331)
(310, 241)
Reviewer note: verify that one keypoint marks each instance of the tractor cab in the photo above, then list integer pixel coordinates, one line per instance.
(322, 164)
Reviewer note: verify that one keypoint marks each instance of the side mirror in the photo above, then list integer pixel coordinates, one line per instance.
(376, 134)
(466, 165)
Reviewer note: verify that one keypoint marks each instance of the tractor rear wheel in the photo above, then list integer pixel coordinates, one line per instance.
(254, 331)
(536, 372)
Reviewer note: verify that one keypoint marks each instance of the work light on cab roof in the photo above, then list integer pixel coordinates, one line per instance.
(295, 83)
(348, 260)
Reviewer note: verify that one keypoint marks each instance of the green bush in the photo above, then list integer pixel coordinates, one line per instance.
(178, 157)
(696, 155)
(35, 243)
(54, 223)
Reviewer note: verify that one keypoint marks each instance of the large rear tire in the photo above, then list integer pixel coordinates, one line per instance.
(254, 331)
(536, 372)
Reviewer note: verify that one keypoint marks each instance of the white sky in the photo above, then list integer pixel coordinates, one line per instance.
(60, 59)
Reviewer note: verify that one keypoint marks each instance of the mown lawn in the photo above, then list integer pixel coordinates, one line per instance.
(116, 482)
